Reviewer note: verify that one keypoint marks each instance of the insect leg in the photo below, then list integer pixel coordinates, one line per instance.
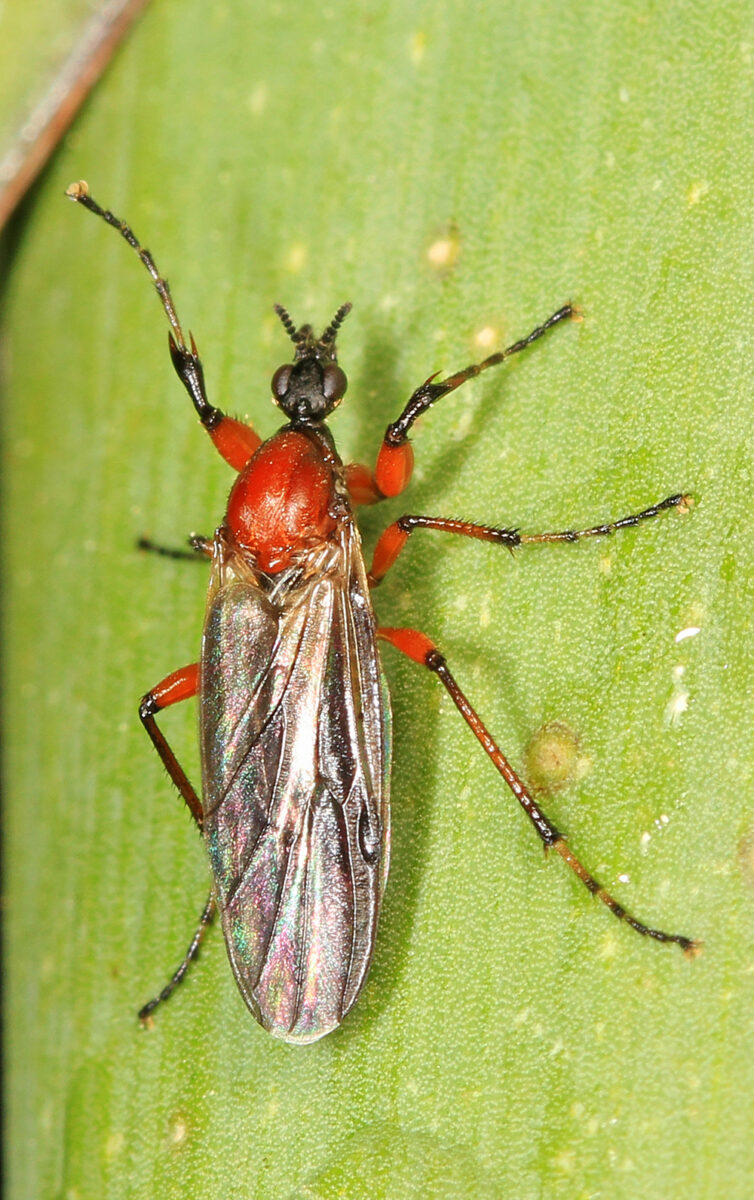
(235, 440)
(179, 975)
(181, 685)
(394, 538)
(200, 546)
(362, 486)
(422, 650)
(680, 501)
(395, 461)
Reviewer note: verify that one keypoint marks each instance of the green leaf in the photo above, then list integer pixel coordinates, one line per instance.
(513, 1039)
(39, 36)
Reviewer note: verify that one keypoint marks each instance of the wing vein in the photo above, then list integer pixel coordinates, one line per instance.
(290, 787)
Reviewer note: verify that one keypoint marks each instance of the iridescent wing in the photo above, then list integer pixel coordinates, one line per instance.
(294, 733)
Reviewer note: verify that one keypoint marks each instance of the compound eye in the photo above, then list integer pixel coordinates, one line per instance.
(334, 383)
(280, 381)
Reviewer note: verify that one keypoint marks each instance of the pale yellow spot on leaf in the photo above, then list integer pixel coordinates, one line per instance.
(485, 338)
(418, 46)
(697, 190)
(257, 101)
(443, 253)
(295, 259)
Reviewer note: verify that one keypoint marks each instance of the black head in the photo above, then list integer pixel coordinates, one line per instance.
(309, 388)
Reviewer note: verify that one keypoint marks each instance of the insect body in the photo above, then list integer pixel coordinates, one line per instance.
(294, 727)
(294, 712)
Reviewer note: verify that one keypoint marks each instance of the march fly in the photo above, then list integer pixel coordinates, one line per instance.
(294, 709)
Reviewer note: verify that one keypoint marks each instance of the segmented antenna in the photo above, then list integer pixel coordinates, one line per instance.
(290, 328)
(335, 324)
